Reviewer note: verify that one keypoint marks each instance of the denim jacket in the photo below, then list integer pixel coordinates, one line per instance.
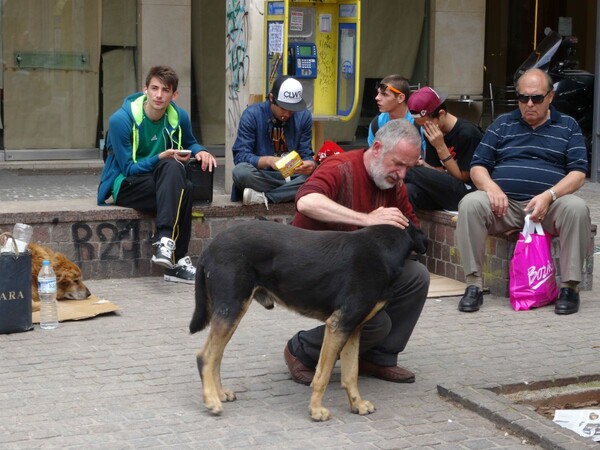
(254, 137)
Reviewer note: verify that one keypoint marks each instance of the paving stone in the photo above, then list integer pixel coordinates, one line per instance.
(129, 380)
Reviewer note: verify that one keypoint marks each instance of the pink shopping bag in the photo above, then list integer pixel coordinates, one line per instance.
(532, 272)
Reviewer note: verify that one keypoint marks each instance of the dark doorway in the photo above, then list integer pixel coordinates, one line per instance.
(511, 33)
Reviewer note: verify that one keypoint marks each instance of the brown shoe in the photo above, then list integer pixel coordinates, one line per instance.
(394, 374)
(299, 372)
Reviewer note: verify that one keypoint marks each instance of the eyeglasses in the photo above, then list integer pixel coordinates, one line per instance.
(381, 87)
(535, 99)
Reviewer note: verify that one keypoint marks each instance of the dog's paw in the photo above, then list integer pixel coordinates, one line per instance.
(319, 414)
(227, 395)
(214, 406)
(363, 407)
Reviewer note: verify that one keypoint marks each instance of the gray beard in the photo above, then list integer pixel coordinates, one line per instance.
(379, 176)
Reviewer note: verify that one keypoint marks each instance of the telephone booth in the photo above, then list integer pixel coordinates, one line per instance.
(319, 44)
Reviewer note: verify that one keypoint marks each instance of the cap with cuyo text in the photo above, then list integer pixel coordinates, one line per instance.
(424, 101)
(287, 94)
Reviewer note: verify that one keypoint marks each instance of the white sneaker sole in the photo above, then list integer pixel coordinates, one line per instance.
(162, 262)
(173, 279)
(246, 201)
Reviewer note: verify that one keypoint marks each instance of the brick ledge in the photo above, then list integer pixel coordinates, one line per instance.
(72, 210)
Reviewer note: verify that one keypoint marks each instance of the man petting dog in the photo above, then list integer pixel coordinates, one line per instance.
(353, 190)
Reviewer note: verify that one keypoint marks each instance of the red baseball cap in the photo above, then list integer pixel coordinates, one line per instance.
(424, 101)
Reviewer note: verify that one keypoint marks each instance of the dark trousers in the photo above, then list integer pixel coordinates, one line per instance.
(431, 189)
(387, 333)
(166, 192)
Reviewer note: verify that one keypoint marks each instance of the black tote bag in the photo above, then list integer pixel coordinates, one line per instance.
(15, 292)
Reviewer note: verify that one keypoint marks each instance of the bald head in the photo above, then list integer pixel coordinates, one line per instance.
(535, 93)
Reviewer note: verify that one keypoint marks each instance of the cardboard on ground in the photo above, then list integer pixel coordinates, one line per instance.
(80, 309)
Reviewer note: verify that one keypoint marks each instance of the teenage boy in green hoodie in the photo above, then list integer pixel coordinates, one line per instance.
(149, 143)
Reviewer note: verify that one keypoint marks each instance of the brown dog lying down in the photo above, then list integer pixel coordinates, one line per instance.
(69, 281)
(342, 278)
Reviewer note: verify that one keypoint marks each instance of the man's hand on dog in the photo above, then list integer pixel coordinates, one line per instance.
(387, 216)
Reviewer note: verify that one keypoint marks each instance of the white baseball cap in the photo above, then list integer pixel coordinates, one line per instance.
(287, 94)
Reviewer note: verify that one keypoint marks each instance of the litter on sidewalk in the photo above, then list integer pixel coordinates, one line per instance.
(584, 422)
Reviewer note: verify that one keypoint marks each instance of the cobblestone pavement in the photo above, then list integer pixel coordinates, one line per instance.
(63, 182)
(18, 185)
(129, 380)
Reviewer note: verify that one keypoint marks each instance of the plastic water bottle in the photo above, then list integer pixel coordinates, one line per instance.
(22, 235)
(47, 292)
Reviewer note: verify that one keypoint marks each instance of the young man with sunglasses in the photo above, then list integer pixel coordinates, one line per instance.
(266, 133)
(392, 96)
(441, 179)
(149, 142)
(530, 161)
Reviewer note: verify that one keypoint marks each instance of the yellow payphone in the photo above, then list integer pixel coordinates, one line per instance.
(317, 42)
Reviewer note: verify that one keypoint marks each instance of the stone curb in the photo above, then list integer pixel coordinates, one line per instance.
(516, 418)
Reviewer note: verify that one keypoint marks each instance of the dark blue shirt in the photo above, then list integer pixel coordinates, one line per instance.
(524, 161)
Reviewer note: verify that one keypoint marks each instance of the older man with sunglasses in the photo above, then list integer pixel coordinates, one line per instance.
(530, 161)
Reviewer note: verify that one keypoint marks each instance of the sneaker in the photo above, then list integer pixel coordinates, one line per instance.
(164, 252)
(182, 272)
(252, 197)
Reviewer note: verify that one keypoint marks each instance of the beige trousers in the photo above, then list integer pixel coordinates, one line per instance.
(568, 217)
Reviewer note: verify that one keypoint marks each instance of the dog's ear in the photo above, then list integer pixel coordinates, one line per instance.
(420, 241)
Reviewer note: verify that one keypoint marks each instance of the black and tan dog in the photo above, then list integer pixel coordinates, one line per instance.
(341, 278)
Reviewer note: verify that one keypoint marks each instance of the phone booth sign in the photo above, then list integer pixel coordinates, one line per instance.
(317, 43)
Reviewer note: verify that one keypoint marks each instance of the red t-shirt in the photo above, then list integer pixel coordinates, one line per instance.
(344, 179)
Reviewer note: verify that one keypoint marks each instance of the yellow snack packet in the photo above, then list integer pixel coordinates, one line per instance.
(288, 164)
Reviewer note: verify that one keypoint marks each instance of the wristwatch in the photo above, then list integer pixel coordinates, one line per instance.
(553, 194)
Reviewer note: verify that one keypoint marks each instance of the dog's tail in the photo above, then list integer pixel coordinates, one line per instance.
(202, 313)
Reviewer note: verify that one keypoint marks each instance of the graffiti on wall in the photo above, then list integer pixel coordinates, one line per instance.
(327, 70)
(238, 61)
(118, 240)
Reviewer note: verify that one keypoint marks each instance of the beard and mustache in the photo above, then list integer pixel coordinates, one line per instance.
(380, 177)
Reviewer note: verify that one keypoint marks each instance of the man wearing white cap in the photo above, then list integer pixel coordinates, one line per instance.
(266, 133)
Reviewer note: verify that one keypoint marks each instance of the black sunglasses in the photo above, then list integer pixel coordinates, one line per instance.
(535, 99)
